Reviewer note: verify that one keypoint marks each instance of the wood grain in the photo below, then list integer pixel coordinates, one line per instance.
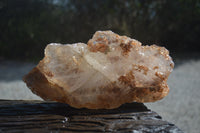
(39, 116)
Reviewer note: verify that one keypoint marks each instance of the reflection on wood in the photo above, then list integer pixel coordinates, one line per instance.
(38, 116)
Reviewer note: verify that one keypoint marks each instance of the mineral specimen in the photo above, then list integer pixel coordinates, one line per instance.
(109, 71)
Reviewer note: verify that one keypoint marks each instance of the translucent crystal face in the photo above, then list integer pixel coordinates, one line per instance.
(108, 68)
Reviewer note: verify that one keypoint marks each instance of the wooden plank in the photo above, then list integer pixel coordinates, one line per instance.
(39, 116)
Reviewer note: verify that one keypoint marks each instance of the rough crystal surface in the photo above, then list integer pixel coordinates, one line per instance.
(107, 72)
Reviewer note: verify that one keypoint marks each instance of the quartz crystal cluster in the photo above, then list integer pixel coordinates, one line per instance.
(109, 71)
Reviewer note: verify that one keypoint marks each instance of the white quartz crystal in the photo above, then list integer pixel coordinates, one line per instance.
(108, 71)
